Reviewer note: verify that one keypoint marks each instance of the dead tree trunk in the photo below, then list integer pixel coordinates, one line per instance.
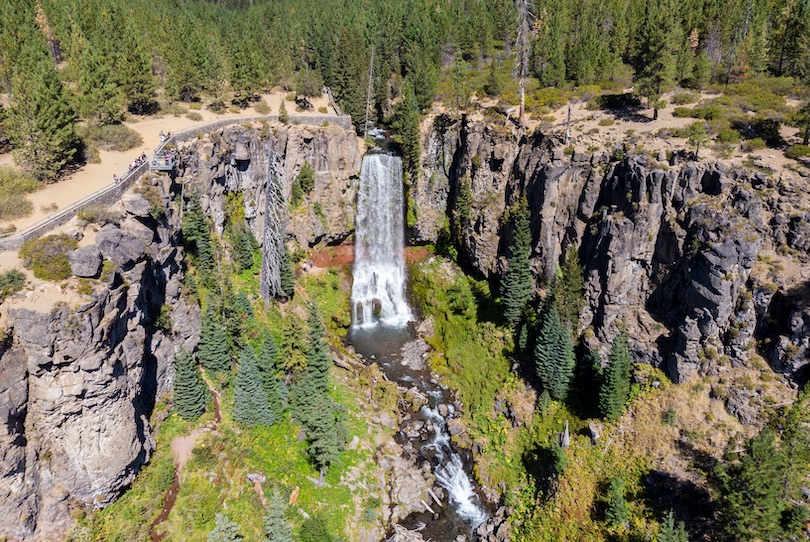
(274, 231)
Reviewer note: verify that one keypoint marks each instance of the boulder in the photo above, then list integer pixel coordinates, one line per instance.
(85, 261)
(136, 205)
(122, 247)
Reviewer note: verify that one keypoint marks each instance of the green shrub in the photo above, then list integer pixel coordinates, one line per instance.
(683, 98)
(11, 282)
(606, 122)
(797, 151)
(262, 108)
(47, 256)
(751, 145)
(196, 117)
(323, 110)
(99, 214)
(290, 96)
(14, 185)
(173, 108)
(111, 137)
(727, 135)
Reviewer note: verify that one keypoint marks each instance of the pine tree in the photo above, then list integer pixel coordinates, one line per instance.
(326, 432)
(750, 491)
(213, 348)
(406, 124)
(286, 273)
(98, 98)
(197, 235)
(225, 530)
(283, 115)
(39, 121)
(250, 403)
(517, 287)
(293, 345)
(660, 38)
(554, 354)
(268, 363)
(568, 290)
(190, 392)
(318, 357)
(617, 512)
(133, 71)
(670, 531)
(314, 529)
(462, 211)
(615, 390)
(493, 85)
(276, 528)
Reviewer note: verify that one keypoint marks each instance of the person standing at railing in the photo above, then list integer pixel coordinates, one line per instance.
(116, 180)
(162, 137)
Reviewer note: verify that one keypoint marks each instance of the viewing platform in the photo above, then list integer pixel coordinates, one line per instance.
(162, 162)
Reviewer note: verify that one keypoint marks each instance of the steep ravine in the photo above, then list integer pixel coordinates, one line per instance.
(694, 257)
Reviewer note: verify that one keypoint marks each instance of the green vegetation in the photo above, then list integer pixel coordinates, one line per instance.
(615, 390)
(303, 184)
(47, 256)
(554, 354)
(617, 512)
(214, 349)
(250, 403)
(225, 530)
(190, 392)
(276, 528)
(670, 531)
(11, 282)
(13, 188)
(517, 286)
(110, 137)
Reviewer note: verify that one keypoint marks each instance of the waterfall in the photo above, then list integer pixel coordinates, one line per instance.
(378, 293)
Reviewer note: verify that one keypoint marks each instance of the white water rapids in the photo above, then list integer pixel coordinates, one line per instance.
(378, 293)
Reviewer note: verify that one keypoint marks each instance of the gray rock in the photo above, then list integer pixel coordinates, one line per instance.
(122, 247)
(85, 261)
(136, 205)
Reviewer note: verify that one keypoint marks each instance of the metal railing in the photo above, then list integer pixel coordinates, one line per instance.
(112, 192)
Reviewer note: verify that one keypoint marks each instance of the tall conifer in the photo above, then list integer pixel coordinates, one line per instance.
(554, 354)
(213, 348)
(517, 287)
(276, 528)
(250, 403)
(190, 392)
(615, 390)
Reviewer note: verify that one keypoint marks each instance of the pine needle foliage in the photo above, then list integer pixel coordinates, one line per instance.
(554, 354)
(276, 528)
(672, 531)
(214, 350)
(517, 287)
(250, 402)
(615, 389)
(190, 392)
(268, 364)
(225, 530)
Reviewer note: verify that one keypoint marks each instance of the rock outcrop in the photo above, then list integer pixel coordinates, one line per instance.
(80, 380)
(668, 245)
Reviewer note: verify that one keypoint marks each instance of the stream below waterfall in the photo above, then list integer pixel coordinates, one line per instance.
(380, 332)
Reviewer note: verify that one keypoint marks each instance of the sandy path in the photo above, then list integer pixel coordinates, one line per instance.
(93, 177)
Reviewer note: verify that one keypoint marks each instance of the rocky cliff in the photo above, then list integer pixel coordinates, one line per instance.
(82, 365)
(699, 259)
(79, 378)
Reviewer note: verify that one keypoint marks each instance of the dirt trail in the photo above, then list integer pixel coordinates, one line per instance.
(93, 177)
(181, 452)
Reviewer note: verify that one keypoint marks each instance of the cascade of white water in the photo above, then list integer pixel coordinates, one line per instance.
(450, 471)
(378, 293)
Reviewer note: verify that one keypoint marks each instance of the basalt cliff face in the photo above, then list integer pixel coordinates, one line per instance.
(699, 259)
(79, 378)
(82, 367)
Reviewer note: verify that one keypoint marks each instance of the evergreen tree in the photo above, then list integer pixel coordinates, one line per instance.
(750, 489)
(314, 529)
(617, 512)
(615, 390)
(213, 348)
(306, 177)
(568, 290)
(133, 71)
(670, 531)
(190, 392)
(318, 357)
(98, 98)
(286, 273)
(283, 115)
(462, 210)
(293, 345)
(795, 446)
(493, 85)
(39, 121)
(276, 528)
(406, 124)
(268, 363)
(250, 403)
(197, 236)
(660, 38)
(326, 432)
(554, 354)
(225, 530)
(517, 287)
